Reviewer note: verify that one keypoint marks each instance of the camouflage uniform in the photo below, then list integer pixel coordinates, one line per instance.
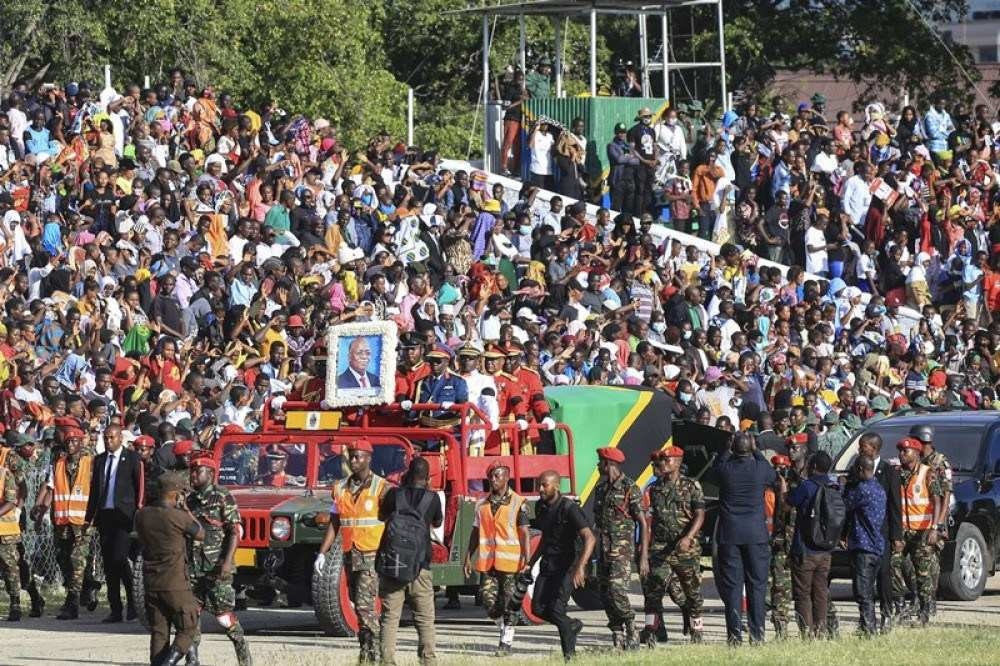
(779, 573)
(617, 508)
(918, 560)
(73, 545)
(19, 468)
(216, 510)
(496, 587)
(363, 584)
(671, 508)
(939, 464)
(9, 548)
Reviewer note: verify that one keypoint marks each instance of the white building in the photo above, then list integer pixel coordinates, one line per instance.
(979, 31)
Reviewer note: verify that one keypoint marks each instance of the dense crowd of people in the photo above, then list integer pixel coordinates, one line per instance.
(170, 261)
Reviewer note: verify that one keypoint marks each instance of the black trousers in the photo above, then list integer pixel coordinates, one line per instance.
(549, 600)
(114, 529)
(866, 569)
(744, 564)
(644, 178)
(884, 580)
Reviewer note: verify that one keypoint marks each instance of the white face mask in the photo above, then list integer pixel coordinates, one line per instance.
(687, 335)
(685, 397)
(672, 122)
(659, 326)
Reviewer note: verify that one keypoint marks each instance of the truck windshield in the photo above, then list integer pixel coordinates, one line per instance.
(264, 465)
(387, 460)
(960, 444)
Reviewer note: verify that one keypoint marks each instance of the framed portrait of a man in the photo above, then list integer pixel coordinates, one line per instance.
(361, 367)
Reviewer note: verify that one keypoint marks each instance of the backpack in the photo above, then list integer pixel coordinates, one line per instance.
(825, 519)
(406, 541)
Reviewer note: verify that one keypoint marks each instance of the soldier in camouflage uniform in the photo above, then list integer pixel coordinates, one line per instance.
(10, 539)
(836, 436)
(211, 560)
(676, 509)
(939, 464)
(617, 511)
(18, 460)
(71, 537)
(920, 534)
(783, 521)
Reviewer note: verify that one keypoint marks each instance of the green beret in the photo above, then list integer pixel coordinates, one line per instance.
(880, 403)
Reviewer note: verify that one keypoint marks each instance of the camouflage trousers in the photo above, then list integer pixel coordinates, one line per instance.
(9, 566)
(72, 544)
(780, 588)
(918, 563)
(496, 589)
(217, 596)
(614, 572)
(678, 577)
(362, 583)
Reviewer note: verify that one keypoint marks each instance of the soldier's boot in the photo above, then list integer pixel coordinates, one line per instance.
(71, 608)
(661, 629)
(618, 639)
(697, 626)
(932, 608)
(924, 612)
(14, 614)
(88, 596)
(886, 623)
(172, 658)
(686, 627)
(506, 644)
(366, 641)
(238, 639)
(630, 636)
(191, 657)
(37, 601)
(780, 627)
(647, 638)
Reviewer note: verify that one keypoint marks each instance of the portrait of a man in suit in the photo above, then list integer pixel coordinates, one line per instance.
(359, 356)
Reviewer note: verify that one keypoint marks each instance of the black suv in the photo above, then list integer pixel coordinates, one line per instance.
(971, 441)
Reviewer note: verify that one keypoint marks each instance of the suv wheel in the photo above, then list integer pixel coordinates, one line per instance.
(967, 578)
(331, 597)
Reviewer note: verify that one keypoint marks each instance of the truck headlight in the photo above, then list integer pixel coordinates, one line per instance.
(281, 528)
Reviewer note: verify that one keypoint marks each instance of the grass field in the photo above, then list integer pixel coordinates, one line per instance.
(904, 647)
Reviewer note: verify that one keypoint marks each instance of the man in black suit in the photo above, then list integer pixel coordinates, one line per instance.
(116, 494)
(359, 355)
(744, 550)
(870, 445)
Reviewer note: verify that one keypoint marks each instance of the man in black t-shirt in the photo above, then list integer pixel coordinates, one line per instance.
(561, 521)
(420, 591)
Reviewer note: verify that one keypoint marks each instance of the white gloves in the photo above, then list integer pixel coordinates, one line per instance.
(549, 423)
(319, 563)
(522, 424)
(406, 404)
(447, 405)
(278, 401)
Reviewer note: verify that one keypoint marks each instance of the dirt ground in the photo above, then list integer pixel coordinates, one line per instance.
(291, 636)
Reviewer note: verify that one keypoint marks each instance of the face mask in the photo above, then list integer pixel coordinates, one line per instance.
(685, 397)
(672, 122)
(937, 321)
(687, 335)
(659, 326)
(524, 230)
(647, 121)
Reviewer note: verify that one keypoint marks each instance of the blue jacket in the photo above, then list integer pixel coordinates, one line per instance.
(742, 481)
(620, 155)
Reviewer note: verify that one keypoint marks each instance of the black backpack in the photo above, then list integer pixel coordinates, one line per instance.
(825, 518)
(407, 539)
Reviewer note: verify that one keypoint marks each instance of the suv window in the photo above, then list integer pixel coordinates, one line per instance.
(266, 466)
(961, 444)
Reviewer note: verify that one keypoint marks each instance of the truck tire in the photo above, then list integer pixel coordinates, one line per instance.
(331, 597)
(138, 591)
(967, 578)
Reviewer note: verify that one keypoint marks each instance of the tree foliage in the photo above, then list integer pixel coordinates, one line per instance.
(352, 62)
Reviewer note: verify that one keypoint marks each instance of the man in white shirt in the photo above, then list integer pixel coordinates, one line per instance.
(817, 260)
(857, 196)
(826, 159)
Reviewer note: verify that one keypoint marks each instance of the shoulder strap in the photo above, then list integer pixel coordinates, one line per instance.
(402, 503)
(425, 502)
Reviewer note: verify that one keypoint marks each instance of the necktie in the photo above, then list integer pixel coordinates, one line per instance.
(364, 381)
(107, 475)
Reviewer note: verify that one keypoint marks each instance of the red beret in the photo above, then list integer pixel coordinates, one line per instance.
(799, 438)
(204, 459)
(611, 453)
(781, 461)
(183, 447)
(910, 443)
(72, 432)
(361, 444)
(233, 429)
(674, 452)
(142, 441)
(495, 465)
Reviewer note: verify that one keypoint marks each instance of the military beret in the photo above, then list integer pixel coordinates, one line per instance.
(73, 433)
(909, 443)
(611, 453)
(781, 461)
(495, 465)
(142, 441)
(361, 444)
(183, 447)
(204, 459)
(799, 438)
(880, 403)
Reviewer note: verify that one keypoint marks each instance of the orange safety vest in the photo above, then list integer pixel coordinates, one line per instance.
(69, 505)
(918, 510)
(360, 527)
(499, 546)
(9, 522)
(769, 498)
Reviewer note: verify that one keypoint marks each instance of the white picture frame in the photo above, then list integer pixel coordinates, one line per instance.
(350, 381)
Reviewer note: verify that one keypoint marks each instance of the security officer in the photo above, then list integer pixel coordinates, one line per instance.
(500, 540)
(780, 577)
(211, 560)
(836, 436)
(441, 387)
(163, 530)
(67, 492)
(880, 406)
(921, 499)
(617, 511)
(676, 509)
(354, 517)
(18, 459)
(10, 538)
(939, 464)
